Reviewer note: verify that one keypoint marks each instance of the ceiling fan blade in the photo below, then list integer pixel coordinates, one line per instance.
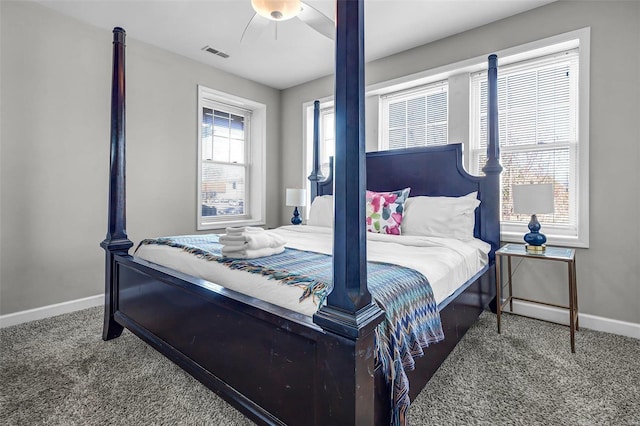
(318, 21)
(254, 29)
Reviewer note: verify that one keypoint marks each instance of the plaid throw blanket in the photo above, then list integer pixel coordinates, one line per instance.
(412, 320)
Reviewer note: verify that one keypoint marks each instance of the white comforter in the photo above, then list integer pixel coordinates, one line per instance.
(446, 263)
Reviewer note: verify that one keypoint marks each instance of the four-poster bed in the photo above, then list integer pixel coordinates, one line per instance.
(276, 365)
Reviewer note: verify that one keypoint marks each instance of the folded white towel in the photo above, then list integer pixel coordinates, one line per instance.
(232, 239)
(263, 239)
(237, 245)
(230, 249)
(252, 254)
(252, 240)
(240, 230)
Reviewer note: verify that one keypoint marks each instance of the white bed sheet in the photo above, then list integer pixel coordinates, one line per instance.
(446, 263)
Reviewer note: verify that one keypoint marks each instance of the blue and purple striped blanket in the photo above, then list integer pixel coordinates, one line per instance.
(412, 320)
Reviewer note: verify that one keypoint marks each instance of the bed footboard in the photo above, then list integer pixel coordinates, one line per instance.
(274, 365)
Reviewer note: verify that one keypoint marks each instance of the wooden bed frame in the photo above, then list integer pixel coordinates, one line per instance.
(274, 365)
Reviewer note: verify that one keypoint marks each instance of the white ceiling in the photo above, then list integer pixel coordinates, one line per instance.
(299, 54)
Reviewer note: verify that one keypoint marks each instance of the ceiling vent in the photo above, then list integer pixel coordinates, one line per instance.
(215, 51)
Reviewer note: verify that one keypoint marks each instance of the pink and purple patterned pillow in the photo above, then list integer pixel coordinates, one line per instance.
(384, 211)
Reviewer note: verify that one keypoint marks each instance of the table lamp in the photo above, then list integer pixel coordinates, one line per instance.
(533, 199)
(296, 197)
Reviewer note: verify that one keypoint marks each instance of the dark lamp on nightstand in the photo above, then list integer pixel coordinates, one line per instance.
(533, 199)
(296, 197)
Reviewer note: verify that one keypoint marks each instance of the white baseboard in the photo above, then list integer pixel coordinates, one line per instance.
(50, 310)
(593, 322)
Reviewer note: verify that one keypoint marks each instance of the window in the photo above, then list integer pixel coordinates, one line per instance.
(327, 142)
(224, 165)
(230, 159)
(538, 109)
(414, 117)
(327, 138)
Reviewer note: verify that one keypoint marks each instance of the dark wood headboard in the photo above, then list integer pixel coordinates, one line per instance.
(431, 171)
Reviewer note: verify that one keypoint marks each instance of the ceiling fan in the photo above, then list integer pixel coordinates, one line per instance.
(282, 10)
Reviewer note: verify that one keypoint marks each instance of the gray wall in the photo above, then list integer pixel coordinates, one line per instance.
(55, 95)
(609, 271)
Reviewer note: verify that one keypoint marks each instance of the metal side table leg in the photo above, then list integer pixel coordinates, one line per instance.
(498, 285)
(572, 298)
(575, 294)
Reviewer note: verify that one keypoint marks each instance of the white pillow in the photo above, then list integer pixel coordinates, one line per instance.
(447, 217)
(321, 212)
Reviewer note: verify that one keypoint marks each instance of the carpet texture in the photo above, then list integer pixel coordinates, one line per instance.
(58, 371)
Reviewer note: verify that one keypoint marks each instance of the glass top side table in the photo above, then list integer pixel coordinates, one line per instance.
(560, 254)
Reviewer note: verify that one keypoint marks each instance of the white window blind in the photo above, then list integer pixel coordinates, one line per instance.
(415, 117)
(538, 121)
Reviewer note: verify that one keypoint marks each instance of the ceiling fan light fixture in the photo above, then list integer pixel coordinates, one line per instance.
(277, 10)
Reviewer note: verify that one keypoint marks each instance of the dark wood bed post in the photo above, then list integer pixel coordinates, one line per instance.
(116, 241)
(316, 174)
(492, 169)
(349, 314)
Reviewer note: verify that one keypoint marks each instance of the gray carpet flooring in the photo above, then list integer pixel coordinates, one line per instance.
(58, 371)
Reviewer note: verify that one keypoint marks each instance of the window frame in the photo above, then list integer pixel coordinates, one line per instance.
(254, 155)
(325, 112)
(326, 108)
(574, 234)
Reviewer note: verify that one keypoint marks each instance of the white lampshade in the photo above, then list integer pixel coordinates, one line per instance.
(277, 10)
(533, 198)
(296, 197)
